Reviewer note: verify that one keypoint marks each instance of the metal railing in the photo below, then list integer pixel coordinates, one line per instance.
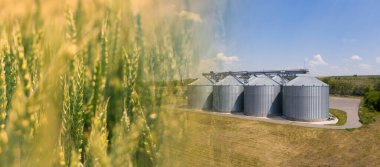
(245, 75)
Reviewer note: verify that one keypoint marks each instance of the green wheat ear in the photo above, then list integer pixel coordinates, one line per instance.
(71, 32)
(73, 109)
(104, 48)
(3, 95)
(18, 49)
(3, 85)
(35, 58)
(98, 141)
(10, 68)
(99, 77)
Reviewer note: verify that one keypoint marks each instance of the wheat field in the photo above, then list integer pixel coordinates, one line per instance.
(82, 82)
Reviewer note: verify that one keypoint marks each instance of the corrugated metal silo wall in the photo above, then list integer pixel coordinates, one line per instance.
(200, 97)
(228, 98)
(262, 101)
(306, 103)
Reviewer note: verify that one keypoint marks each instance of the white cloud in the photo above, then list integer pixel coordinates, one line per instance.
(347, 66)
(195, 17)
(220, 62)
(317, 61)
(365, 66)
(356, 58)
(226, 59)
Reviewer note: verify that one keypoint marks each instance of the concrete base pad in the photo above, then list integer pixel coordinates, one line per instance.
(328, 124)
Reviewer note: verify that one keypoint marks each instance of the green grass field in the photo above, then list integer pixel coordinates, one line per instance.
(341, 115)
(209, 140)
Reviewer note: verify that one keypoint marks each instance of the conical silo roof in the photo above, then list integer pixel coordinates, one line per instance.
(306, 81)
(229, 80)
(250, 79)
(201, 81)
(262, 80)
(279, 79)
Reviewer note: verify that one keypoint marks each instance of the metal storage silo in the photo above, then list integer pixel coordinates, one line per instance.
(251, 79)
(262, 97)
(280, 80)
(306, 98)
(200, 94)
(228, 95)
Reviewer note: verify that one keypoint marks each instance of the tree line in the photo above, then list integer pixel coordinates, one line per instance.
(366, 86)
(348, 87)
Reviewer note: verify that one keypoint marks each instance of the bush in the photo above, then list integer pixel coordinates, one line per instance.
(370, 107)
(372, 100)
(377, 86)
(367, 116)
(359, 90)
(340, 87)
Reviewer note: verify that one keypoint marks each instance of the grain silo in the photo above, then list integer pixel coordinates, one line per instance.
(250, 79)
(262, 97)
(279, 79)
(200, 94)
(228, 95)
(306, 98)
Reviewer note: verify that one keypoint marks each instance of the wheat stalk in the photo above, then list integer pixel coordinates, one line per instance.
(75, 159)
(10, 69)
(34, 59)
(97, 145)
(3, 87)
(22, 62)
(20, 129)
(71, 33)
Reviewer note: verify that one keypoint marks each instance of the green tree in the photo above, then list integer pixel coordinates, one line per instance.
(372, 100)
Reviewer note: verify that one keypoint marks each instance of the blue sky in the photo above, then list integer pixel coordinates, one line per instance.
(330, 37)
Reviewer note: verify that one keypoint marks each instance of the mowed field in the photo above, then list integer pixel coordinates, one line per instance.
(210, 140)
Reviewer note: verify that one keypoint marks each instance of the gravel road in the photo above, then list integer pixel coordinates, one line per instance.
(351, 107)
